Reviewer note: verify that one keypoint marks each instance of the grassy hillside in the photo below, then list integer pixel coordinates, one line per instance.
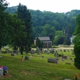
(37, 67)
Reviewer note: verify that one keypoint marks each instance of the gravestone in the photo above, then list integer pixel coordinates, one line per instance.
(45, 51)
(64, 57)
(0, 56)
(72, 51)
(37, 50)
(1, 72)
(67, 79)
(64, 50)
(61, 50)
(42, 56)
(56, 54)
(51, 60)
(26, 57)
(52, 51)
(15, 51)
(32, 51)
(12, 54)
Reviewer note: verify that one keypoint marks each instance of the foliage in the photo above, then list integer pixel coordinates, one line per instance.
(18, 28)
(77, 30)
(33, 46)
(59, 21)
(73, 13)
(67, 41)
(77, 54)
(11, 10)
(59, 38)
(3, 5)
(77, 44)
(4, 37)
(25, 16)
(39, 43)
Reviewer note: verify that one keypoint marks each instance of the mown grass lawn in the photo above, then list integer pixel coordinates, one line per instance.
(37, 68)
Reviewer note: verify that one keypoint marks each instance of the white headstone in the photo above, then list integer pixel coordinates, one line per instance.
(1, 72)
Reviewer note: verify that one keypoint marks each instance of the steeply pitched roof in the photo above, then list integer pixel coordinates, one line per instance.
(44, 38)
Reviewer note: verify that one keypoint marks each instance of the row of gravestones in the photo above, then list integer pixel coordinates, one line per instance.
(8, 51)
(35, 51)
(38, 50)
(65, 50)
(46, 51)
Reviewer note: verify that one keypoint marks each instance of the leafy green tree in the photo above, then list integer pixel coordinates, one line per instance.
(39, 43)
(3, 5)
(4, 38)
(77, 54)
(18, 32)
(59, 38)
(77, 44)
(48, 31)
(24, 15)
(67, 41)
(60, 21)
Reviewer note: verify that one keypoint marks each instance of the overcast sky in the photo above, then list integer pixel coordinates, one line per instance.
(48, 5)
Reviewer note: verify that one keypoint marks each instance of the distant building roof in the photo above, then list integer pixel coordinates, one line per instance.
(44, 38)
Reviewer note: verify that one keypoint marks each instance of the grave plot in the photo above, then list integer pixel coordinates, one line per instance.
(52, 51)
(51, 60)
(33, 51)
(64, 57)
(14, 52)
(26, 57)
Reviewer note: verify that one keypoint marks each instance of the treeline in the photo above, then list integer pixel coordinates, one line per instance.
(56, 25)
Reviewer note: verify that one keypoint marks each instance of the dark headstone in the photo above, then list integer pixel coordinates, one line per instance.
(51, 60)
(52, 51)
(33, 51)
(26, 57)
(65, 57)
(0, 56)
(64, 50)
(42, 56)
(12, 54)
(15, 51)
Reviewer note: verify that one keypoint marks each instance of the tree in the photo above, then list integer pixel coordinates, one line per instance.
(24, 15)
(59, 38)
(67, 41)
(17, 40)
(3, 5)
(77, 44)
(3, 24)
(77, 54)
(39, 43)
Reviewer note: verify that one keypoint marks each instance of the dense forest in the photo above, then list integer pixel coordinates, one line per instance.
(58, 26)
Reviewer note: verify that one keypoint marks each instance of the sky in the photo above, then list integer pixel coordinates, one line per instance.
(48, 5)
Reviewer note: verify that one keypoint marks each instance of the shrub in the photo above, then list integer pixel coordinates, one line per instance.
(77, 55)
(33, 46)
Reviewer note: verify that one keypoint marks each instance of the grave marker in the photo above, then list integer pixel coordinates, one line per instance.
(51, 60)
